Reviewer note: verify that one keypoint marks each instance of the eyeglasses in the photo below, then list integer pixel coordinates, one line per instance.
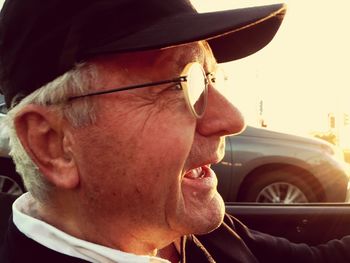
(193, 81)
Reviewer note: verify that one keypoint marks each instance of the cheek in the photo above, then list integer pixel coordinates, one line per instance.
(164, 151)
(165, 135)
(161, 152)
(135, 161)
(135, 145)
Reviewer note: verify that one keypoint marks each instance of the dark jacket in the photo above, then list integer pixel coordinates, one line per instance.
(270, 249)
(17, 248)
(232, 242)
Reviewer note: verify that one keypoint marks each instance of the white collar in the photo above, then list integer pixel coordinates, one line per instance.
(53, 238)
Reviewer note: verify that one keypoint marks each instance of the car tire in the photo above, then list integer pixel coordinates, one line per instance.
(10, 181)
(9, 186)
(284, 185)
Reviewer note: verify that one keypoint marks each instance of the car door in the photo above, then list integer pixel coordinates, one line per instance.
(303, 223)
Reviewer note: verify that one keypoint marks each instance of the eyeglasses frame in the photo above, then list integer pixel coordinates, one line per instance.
(181, 83)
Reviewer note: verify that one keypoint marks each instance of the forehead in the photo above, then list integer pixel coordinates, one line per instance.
(173, 58)
(178, 56)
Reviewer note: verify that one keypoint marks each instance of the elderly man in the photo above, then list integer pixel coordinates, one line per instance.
(116, 116)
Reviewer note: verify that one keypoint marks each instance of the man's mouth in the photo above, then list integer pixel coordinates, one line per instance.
(200, 180)
(197, 173)
(200, 172)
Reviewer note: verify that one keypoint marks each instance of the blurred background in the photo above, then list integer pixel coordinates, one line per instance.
(300, 82)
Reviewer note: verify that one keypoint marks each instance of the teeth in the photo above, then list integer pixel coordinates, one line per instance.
(197, 173)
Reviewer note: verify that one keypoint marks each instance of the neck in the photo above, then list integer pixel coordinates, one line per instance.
(128, 242)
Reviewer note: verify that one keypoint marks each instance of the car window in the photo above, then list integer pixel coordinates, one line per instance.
(295, 96)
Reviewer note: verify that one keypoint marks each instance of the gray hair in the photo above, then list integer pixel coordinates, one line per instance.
(54, 94)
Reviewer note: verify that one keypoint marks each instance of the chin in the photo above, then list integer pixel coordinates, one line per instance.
(209, 217)
(215, 215)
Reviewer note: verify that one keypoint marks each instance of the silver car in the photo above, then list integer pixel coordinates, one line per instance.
(265, 166)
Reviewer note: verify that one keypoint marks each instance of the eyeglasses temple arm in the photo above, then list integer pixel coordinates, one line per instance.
(156, 83)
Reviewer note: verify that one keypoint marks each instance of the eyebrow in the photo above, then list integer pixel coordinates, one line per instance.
(209, 59)
(200, 54)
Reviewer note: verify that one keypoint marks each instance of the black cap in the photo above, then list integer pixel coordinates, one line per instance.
(41, 40)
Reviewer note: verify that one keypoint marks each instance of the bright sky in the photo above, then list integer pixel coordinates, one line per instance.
(304, 73)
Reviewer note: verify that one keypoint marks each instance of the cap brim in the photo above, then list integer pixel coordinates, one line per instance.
(232, 34)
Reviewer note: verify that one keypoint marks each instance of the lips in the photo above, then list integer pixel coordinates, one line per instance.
(197, 173)
(200, 179)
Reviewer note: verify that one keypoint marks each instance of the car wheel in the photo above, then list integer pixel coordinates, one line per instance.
(278, 186)
(9, 186)
(10, 181)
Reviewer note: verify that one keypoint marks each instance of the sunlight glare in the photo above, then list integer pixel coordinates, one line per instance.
(303, 74)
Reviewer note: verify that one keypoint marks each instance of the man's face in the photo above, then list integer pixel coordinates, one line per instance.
(145, 164)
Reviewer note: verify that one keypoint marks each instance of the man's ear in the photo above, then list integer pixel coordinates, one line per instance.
(45, 137)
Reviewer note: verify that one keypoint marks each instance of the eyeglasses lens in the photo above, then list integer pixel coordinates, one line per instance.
(197, 90)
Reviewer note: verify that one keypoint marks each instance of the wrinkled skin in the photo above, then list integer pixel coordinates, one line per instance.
(129, 190)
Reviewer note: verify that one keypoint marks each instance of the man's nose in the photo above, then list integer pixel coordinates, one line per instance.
(221, 117)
